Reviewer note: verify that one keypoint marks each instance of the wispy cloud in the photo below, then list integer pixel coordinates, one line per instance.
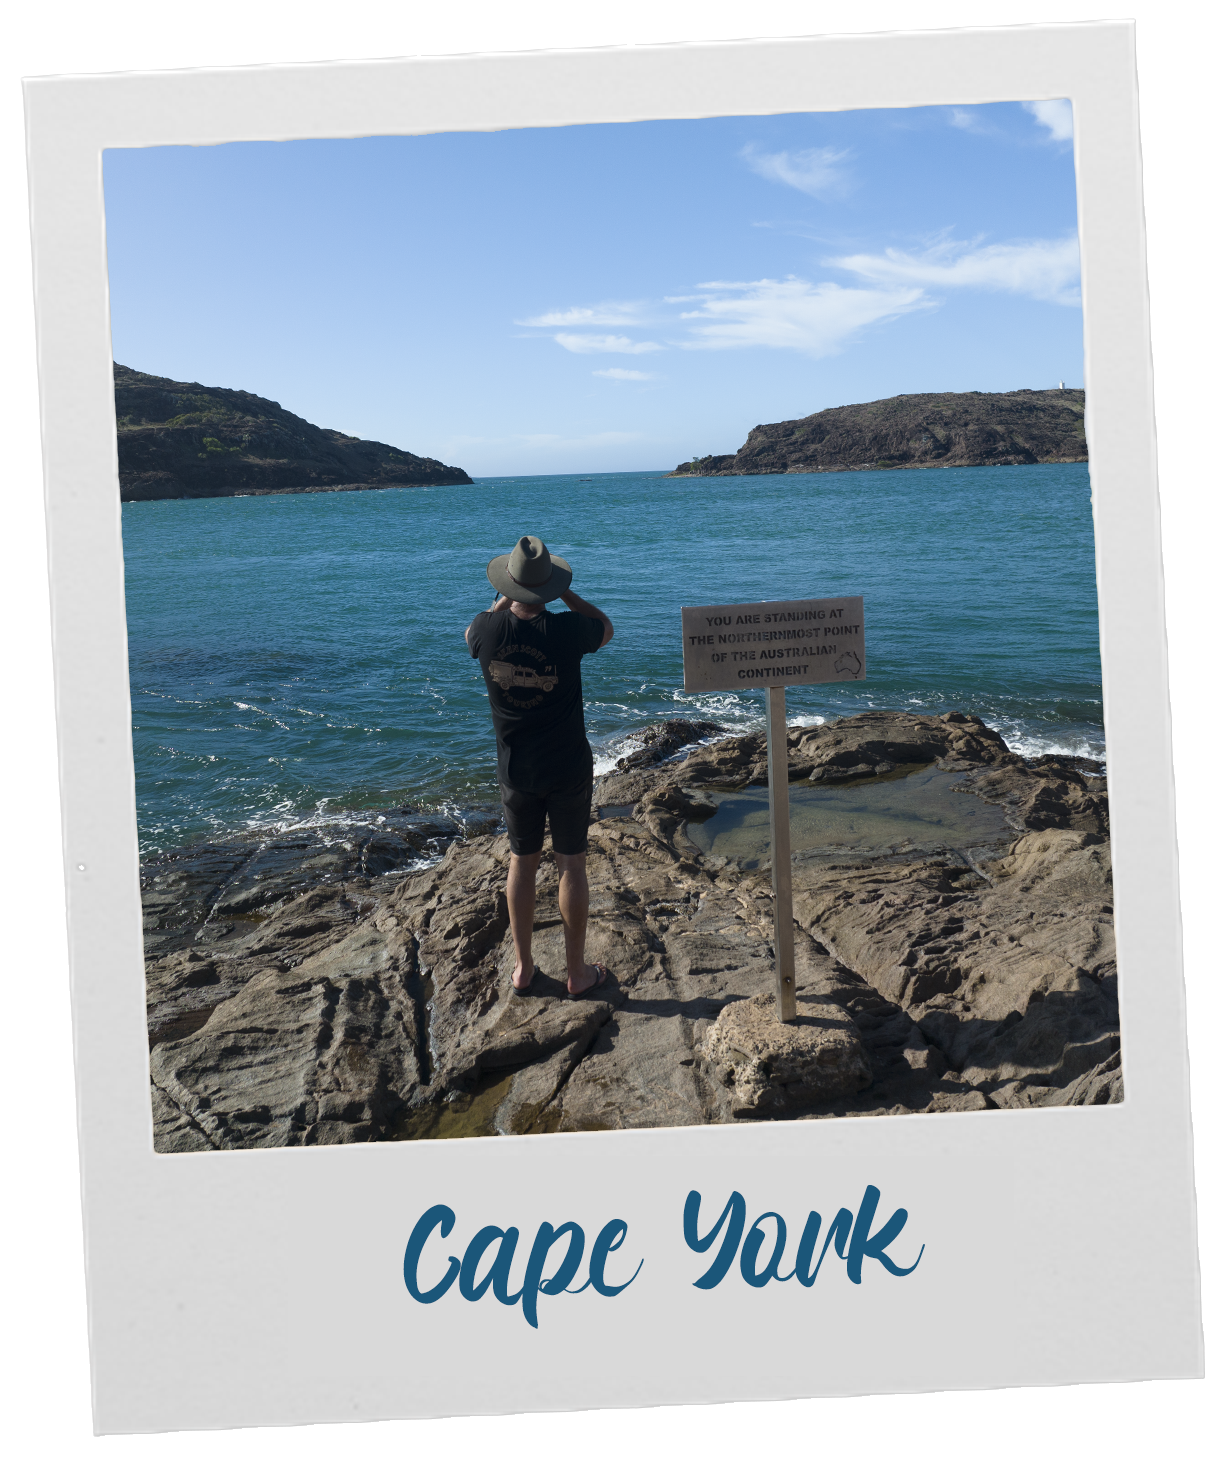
(822, 318)
(621, 345)
(790, 314)
(812, 170)
(1057, 116)
(1044, 269)
(614, 312)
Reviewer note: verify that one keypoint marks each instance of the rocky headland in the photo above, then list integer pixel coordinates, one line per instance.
(943, 429)
(308, 989)
(179, 439)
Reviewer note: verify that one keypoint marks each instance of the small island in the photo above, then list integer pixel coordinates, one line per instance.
(179, 439)
(941, 429)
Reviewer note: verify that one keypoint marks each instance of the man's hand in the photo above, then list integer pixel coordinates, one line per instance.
(592, 612)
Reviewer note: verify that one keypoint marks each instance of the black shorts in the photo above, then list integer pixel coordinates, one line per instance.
(567, 810)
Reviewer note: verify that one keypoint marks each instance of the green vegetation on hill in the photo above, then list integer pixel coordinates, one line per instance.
(180, 439)
(942, 429)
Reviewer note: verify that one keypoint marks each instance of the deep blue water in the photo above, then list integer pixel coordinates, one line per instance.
(299, 658)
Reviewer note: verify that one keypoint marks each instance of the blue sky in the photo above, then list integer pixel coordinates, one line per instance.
(605, 298)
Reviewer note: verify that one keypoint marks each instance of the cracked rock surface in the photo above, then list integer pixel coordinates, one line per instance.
(324, 995)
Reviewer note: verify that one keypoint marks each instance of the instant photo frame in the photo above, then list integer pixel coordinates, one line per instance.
(271, 1286)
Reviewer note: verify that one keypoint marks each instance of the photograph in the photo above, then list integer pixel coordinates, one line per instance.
(425, 446)
(614, 728)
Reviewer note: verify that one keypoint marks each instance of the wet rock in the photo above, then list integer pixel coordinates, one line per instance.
(624, 789)
(179, 890)
(1088, 766)
(190, 894)
(663, 739)
(772, 1067)
(1048, 795)
(283, 869)
(635, 775)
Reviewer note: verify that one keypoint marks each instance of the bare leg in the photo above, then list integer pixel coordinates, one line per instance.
(520, 893)
(574, 899)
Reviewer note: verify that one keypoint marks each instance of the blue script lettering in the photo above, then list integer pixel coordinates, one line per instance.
(497, 1278)
(469, 1284)
(748, 1254)
(733, 1215)
(838, 1233)
(611, 1237)
(853, 1235)
(429, 1220)
(539, 1251)
(874, 1247)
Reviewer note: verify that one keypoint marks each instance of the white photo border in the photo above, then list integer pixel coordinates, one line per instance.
(1060, 1244)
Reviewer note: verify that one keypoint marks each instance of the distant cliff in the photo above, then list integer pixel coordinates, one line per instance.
(945, 429)
(178, 439)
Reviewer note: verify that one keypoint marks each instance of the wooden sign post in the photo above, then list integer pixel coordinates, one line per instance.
(780, 853)
(771, 645)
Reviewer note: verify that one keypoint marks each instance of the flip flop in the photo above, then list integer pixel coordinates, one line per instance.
(604, 974)
(524, 990)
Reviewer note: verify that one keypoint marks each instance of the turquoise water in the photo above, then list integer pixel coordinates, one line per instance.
(294, 659)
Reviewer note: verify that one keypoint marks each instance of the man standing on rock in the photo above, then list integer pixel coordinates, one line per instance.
(532, 666)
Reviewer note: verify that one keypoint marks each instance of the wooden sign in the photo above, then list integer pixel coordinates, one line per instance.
(749, 647)
(768, 647)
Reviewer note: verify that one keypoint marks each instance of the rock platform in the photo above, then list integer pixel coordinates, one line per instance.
(336, 998)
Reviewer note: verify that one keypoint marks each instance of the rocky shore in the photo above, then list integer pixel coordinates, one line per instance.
(309, 989)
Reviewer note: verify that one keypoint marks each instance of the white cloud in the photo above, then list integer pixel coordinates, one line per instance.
(812, 170)
(977, 121)
(584, 345)
(1057, 116)
(791, 314)
(612, 313)
(618, 373)
(1044, 269)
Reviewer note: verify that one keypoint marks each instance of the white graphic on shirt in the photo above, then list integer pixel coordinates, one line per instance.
(510, 677)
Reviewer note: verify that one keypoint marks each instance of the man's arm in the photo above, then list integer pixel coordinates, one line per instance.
(592, 612)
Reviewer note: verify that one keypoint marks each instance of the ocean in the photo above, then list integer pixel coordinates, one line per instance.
(299, 659)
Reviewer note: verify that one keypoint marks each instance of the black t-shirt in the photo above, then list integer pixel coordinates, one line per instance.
(533, 672)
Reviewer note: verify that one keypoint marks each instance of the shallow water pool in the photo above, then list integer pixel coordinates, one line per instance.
(913, 809)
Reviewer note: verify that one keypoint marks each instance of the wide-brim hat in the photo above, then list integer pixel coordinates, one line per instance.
(530, 574)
